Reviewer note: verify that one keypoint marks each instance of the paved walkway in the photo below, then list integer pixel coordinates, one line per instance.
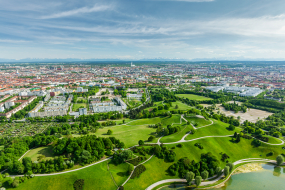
(247, 160)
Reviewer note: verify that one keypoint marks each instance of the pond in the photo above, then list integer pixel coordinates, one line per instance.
(270, 178)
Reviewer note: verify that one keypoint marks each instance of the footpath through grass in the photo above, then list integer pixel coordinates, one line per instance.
(95, 177)
(177, 136)
(216, 129)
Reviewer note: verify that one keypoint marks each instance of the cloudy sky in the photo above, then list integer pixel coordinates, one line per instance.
(138, 29)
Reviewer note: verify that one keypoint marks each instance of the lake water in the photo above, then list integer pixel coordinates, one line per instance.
(269, 178)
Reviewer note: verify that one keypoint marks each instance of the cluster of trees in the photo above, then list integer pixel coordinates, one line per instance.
(218, 98)
(14, 148)
(164, 153)
(234, 107)
(168, 130)
(87, 149)
(122, 92)
(163, 95)
(140, 112)
(207, 163)
(121, 156)
(267, 103)
(42, 166)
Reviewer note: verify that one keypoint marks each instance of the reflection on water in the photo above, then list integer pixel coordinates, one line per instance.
(271, 178)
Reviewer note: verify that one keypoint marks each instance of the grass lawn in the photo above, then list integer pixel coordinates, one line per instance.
(119, 121)
(181, 106)
(95, 177)
(273, 140)
(200, 121)
(236, 151)
(130, 135)
(2, 147)
(46, 151)
(156, 169)
(76, 107)
(217, 129)
(176, 136)
(193, 97)
(119, 172)
(151, 121)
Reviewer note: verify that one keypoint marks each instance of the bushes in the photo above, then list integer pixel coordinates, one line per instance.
(199, 146)
(138, 171)
(137, 160)
(78, 184)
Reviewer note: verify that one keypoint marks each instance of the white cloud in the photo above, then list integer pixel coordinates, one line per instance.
(95, 8)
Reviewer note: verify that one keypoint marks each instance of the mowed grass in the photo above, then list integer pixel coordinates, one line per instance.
(157, 168)
(155, 171)
(236, 151)
(151, 121)
(119, 121)
(216, 129)
(199, 121)
(181, 106)
(95, 177)
(193, 97)
(46, 151)
(130, 135)
(273, 140)
(119, 172)
(176, 136)
(76, 107)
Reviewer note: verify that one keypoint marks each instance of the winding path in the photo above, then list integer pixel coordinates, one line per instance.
(247, 160)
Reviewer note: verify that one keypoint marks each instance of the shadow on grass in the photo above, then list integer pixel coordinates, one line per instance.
(47, 152)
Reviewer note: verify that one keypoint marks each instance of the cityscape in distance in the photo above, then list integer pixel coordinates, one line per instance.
(142, 95)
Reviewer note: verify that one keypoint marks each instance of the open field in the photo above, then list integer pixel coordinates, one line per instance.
(199, 121)
(76, 107)
(273, 140)
(193, 97)
(181, 106)
(130, 135)
(217, 129)
(95, 177)
(151, 121)
(157, 168)
(251, 115)
(119, 172)
(46, 151)
(176, 136)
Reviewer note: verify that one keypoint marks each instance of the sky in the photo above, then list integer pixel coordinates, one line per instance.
(142, 29)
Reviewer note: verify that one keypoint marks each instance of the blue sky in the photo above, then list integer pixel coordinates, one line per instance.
(141, 29)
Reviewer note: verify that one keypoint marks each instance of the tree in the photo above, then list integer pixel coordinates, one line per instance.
(198, 180)
(279, 160)
(151, 138)
(238, 138)
(130, 169)
(16, 182)
(205, 174)
(235, 135)
(218, 170)
(141, 142)
(189, 177)
(226, 170)
(110, 132)
(176, 107)
(231, 166)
